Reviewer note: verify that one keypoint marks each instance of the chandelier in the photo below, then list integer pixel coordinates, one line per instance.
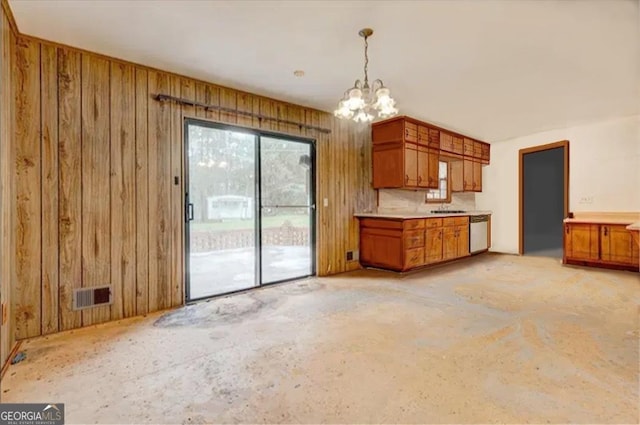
(362, 101)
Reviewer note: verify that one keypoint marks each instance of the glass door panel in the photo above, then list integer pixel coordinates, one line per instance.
(220, 211)
(287, 209)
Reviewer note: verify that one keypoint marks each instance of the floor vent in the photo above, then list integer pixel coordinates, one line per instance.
(91, 297)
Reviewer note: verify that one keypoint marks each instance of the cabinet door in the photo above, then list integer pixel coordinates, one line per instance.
(423, 167)
(581, 241)
(616, 244)
(468, 148)
(423, 135)
(433, 245)
(382, 248)
(410, 132)
(463, 240)
(434, 138)
(433, 178)
(449, 243)
(477, 177)
(446, 142)
(388, 168)
(458, 145)
(457, 176)
(410, 165)
(467, 178)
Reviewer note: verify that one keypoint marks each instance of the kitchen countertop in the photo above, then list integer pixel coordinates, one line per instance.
(410, 215)
(605, 218)
(634, 226)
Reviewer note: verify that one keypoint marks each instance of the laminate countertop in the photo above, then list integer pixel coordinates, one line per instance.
(634, 226)
(414, 215)
(628, 219)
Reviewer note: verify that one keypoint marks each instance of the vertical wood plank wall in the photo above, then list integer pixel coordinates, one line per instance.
(96, 199)
(7, 188)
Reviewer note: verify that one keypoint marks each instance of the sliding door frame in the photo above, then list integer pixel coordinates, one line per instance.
(257, 204)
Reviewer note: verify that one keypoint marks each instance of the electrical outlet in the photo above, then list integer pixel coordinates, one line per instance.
(586, 200)
(349, 255)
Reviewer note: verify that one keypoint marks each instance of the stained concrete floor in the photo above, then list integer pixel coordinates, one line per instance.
(491, 339)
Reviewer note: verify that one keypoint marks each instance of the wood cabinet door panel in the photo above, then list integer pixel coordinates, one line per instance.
(457, 176)
(431, 223)
(434, 138)
(449, 243)
(581, 241)
(410, 166)
(413, 258)
(388, 132)
(410, 132)
(467, 178)
(423, 135)
(433, 245)
(423, 167)
(477, 177)
(446, 142)
(616, 244)
(388, 167)
(468, 148)
(458, 145)
(381, 250)
(463, 240)
(433, 176)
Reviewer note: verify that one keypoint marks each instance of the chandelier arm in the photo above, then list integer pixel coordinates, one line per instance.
(377, 83)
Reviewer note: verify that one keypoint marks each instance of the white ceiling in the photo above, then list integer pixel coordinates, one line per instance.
(491, 69)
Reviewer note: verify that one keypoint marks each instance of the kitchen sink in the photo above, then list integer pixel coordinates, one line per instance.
(447, 211)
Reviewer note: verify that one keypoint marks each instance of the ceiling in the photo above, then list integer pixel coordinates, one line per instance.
(491, 69)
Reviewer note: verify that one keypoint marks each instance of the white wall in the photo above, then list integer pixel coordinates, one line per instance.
(604, 174)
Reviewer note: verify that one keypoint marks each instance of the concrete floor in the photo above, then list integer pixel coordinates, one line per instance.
(490, 339)
(222, 271)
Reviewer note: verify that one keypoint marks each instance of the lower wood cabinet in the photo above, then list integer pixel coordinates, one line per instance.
(402, 245)
(605, 245)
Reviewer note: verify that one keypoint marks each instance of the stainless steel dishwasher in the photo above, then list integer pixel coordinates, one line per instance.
(478, 240)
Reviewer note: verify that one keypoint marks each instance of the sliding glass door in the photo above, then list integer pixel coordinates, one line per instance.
(249, 209)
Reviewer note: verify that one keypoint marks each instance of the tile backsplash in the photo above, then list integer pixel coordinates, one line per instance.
(395, 200)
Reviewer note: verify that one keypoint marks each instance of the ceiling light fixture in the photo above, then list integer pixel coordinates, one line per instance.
(361, 101)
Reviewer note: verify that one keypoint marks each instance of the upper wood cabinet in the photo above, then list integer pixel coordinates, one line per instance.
(406, 153)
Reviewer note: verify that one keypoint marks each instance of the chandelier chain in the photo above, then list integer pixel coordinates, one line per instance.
(366, 62)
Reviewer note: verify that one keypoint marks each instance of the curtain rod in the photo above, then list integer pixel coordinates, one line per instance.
(182, 101)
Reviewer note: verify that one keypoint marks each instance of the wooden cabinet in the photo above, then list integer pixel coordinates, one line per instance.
(605, 245)
(403, 156)
(406, 153)
(581, 241)
(616, 244)
(401, 245)
(472, 176)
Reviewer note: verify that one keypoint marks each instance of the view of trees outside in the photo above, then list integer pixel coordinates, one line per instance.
(222, 167)
(222, 189)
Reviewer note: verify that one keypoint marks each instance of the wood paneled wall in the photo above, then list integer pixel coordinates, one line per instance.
(96, 199)
(7, 187)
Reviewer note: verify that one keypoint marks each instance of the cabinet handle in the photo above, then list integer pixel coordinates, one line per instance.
(406, 178)
(605, 231)
(406, 132)
(567, 230)
(419, 179)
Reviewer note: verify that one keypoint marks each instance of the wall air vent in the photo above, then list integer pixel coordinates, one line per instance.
(91, 297)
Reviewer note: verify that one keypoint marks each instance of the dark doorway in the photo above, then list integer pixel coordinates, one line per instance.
(543, 199)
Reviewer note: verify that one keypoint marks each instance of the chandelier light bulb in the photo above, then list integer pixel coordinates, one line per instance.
(362, 98)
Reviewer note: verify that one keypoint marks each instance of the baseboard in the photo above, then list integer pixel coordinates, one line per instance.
(628, 267)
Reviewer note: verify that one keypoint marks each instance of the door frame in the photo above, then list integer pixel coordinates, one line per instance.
(257, 204)
(522, 152)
